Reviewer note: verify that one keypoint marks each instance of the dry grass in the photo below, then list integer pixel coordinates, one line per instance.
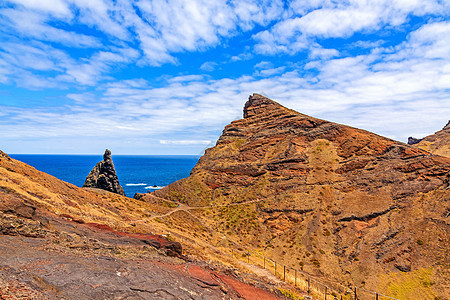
(409, 286)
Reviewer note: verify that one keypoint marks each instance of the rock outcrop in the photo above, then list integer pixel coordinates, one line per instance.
(342, 203)
(3, 155)
(437, 143)
(413, 140)
(103, 176)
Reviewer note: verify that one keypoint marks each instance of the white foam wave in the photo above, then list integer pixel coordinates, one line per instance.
(135, 184)
(153, 187)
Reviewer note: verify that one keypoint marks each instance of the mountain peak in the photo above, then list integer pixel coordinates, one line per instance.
(447, 127)
(4, 155)
(258, 105)
(107, 155)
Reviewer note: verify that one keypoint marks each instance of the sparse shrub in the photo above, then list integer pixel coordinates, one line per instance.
(427, 283)
(321, 251)
(290, 294)
(326, 232)
(315, 262)
(420, 242)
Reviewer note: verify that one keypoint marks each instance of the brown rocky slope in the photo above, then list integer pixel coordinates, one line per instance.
(437, 143)
(58, 241)
(350, 207)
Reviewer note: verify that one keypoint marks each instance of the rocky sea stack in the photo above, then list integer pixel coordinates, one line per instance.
(103, 176)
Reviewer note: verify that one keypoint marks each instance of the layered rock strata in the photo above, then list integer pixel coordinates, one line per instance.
(103, 176)
(341, 203)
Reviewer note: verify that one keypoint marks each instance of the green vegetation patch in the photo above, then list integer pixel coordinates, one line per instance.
(409, 285)
(290, 294)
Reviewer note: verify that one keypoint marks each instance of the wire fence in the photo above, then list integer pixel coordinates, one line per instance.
(305, 281)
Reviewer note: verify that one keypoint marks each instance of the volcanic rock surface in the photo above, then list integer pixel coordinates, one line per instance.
(349, 207)
(103, 176)
(58, 241)
(438, 143)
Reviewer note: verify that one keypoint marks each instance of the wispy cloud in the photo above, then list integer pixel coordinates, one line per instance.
(185, 142)
(334, 60)
(313, 20)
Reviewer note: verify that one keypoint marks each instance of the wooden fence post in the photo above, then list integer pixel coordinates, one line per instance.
(308, 283)
(376, 295)
(356, 297)
(295, 276)
(325, 293)
(264, 262)
(284, 273)
(275, 268)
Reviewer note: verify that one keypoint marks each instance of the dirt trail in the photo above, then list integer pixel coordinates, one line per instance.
(260, 271)
(184, 207)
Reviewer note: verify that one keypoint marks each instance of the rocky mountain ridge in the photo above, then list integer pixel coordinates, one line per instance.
(339, 202)
(437, 143)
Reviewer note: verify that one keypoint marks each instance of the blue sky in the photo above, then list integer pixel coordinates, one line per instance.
(165, 77)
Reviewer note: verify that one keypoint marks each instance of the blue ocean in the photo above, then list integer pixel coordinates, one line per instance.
(137, 173)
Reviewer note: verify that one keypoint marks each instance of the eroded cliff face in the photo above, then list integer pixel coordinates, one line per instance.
(438, 143)
(103, 176)
(342, 203)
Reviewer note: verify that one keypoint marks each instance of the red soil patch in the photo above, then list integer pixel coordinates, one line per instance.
(247, 291)
(210, 278)
(140, 236)
(202, 275)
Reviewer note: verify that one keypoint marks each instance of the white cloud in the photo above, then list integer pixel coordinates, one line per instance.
(158, 29)
(329, 19)
(403, 83)
(185, 142)
(322, 53)
(55, 7)
(33, 24)
(209, 66)
(265, 68)
(242, 56)
(396, 94)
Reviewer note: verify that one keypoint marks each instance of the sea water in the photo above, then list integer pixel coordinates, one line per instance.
(136, 173)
